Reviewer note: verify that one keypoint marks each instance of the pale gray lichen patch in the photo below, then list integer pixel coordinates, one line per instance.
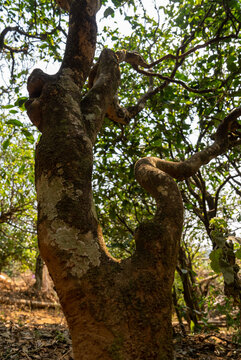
(49, 193)
(87, 251)
(75, 119)
(64, 235)
(66, 80)
(67, 71)
(83, 250)
(88, 143)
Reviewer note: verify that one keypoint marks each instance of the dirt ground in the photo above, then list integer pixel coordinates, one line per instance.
(32, 327)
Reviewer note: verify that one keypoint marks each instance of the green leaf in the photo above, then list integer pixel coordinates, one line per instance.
(21, 101)
(239, 218)
(228, 272)
(109, 12)
(157, 143)
(238, 253)
(5, 144)
(28, 135)
(15, 122)
(7, 106)
(219, 240)
(192, 326)
(215, 256)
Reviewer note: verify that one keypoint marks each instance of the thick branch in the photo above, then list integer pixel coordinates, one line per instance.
(95, 103)
(184, 169)
(123, 115)
(81, 41)
(64, 4)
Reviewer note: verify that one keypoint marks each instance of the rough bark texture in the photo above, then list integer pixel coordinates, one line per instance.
(115, 309)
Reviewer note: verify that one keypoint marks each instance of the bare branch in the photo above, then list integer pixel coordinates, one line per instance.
(220, 188)
(171, 80)
(138, 60)
(123, 221)
(24, 33)
(16, 50)
(4, 33)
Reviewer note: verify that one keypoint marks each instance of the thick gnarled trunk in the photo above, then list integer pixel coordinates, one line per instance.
(114, 309)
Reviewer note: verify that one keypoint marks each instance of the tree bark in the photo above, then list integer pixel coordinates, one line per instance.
(114, 309)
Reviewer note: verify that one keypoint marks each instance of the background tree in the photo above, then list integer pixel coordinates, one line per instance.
(29, 32)
(17, 198)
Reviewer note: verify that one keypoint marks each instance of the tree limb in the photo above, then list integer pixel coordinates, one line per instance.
(21, 32)
(184, 169)
(95, 104)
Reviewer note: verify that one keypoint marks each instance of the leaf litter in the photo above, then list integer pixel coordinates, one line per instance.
(30, 333)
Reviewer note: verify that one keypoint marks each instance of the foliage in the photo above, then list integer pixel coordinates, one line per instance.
(30, 31)
(17, 198)
(176, 122)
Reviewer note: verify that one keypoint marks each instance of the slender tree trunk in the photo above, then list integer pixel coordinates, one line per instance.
(189, 293)
(38, 273)
(179, 316)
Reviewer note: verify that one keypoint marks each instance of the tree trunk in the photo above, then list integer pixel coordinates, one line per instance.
(189, 292)
(114, 309)
(38, 274)
(176, 306)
